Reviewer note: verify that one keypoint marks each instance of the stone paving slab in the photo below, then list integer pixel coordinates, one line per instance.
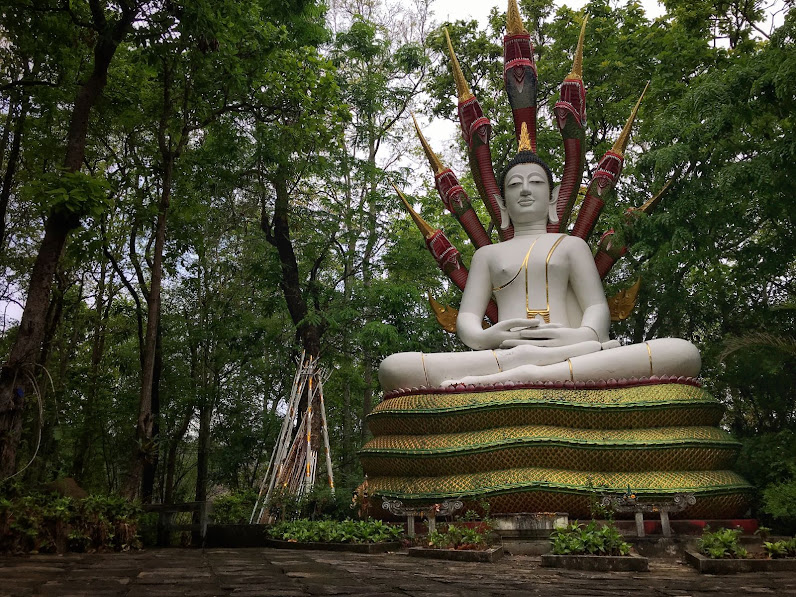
(263, 572)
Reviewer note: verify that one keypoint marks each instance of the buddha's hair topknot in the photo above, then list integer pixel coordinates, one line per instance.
(524, 157)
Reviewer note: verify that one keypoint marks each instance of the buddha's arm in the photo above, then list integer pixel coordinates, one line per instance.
(475, 299)
(585, 281)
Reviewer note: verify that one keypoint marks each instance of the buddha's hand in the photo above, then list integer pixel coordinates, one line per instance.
(550, 334)
(509, 330)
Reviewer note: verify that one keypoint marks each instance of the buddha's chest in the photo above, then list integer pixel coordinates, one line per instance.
(531, 277)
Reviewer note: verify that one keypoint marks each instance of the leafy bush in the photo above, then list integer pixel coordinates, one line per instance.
(51, 523)
(779, 501)
(457, 536)
(319, 504)
(781, 549)
(722, 544)
(589, 540)
(333, 531)
(234, 508)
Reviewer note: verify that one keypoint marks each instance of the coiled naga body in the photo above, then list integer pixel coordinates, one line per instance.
(545, 407)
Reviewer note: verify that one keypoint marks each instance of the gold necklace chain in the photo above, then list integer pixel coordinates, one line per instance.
(531, 313)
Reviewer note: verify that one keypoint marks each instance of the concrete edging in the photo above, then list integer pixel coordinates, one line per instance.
(458, 555)
(629, 563)
(369, 548)
(706, 565)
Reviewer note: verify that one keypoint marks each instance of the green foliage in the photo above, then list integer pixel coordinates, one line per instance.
(781, 549)
(723, 543)
(42, 523)
(459, 535)
(234, 508)
(75, 193)
(779, 501)
(332, 531)
(577, 539)
(318, 504)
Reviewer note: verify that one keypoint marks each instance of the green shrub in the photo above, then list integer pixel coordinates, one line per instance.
(334, 531)
(41, 523)
(722, 544)
(234, 508)
(319, 504)
(781, 549)
(459, 536)
(589, 540)
(779, 501)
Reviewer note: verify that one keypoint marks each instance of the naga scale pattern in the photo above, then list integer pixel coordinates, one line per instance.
(550, 449)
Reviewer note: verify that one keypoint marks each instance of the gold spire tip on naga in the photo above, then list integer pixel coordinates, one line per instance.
(525, 139)
(425, 228)
(621, 143)
(462, 89)
(653, 201)
(514, 24)
(577, 63)
(433, 160)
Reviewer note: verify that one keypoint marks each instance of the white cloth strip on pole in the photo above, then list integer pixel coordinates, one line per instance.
(286, 434)
(293, 466)
(284, 431)
(325, 433)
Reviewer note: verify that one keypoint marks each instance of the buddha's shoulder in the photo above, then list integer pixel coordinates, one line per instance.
(573, 241)
(566, 241)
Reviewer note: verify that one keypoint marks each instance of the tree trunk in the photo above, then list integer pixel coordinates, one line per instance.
(145, 449)
(278, 234)
(171, 456)
(151, 464)
(25, 351)
(89, 427)
(11, 168)
(203, 453)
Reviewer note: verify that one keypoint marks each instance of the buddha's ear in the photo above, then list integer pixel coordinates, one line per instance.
(505, 221)
(552, 216)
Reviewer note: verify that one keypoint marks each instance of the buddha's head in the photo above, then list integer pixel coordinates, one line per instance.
(528, 194)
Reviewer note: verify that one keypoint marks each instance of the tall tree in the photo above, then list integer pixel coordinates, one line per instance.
(110, 27)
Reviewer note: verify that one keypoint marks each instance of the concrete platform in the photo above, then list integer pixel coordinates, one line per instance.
(270, 572)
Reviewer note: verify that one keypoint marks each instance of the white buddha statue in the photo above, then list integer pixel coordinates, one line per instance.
(554, 318)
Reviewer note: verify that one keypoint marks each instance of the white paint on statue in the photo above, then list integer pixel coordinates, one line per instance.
(554, 318)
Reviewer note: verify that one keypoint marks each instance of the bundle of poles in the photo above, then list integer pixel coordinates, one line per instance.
(294, 462)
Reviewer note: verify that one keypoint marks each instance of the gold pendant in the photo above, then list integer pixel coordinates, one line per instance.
(545, 313)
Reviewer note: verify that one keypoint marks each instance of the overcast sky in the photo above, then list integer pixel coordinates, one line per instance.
(445, 10)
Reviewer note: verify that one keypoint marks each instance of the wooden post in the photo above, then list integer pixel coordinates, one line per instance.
(639, 523)
(665, 527)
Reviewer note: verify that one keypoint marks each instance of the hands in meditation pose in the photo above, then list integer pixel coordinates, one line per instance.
(554, 317)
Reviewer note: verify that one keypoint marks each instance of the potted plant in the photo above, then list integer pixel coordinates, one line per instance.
(592, 546)
(365, 536)
(466, 540)
(721, 552)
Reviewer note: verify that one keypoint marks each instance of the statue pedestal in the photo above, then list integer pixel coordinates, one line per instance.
(555, 449)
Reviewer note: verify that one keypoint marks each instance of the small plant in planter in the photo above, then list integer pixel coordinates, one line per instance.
(332, 531)
(456, 536)
(780, 549)
(589, 540)
(722, 544)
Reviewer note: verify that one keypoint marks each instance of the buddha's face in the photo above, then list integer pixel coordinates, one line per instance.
(527, 194)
